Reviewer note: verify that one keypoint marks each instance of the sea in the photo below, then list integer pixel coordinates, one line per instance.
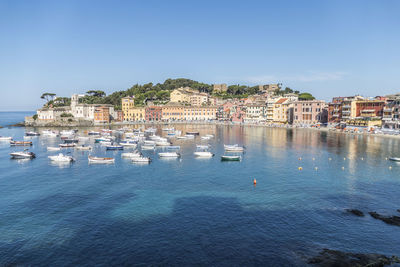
(203, 212)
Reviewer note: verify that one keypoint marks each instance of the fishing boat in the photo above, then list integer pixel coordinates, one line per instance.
(5, 138)
(169, 155)
(83, 147)
(192, 133)
(23, 155)
(32, 134)
(67, 145)
(394, 159)
(20, 143)
(114, 147)
(52, 148)
(100, 160)
(230, 158)
(61, 158)
(233, 148)
(141, 159)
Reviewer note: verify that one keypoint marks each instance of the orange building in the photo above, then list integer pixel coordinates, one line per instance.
(102, 115)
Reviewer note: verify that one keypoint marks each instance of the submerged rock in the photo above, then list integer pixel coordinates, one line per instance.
(394, 220)
(329, 257)
(356, 212)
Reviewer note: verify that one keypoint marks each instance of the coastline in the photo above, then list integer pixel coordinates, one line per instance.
(87, 124)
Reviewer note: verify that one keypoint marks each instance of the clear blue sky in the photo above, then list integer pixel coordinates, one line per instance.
(328, 48)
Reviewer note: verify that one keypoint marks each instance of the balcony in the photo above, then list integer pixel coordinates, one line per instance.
(346, 106)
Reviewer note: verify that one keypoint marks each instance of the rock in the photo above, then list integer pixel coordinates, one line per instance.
(356, 212)
(394, 220)
(329, 257)
(19, 124)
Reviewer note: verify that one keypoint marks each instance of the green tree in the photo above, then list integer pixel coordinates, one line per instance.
(96, 93)
(306, 96)
(48, 96)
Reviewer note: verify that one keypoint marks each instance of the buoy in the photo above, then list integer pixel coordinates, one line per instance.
(313, 158)
(342, 168)
(300, 168)
(386, 158)
(300, 158)
(362, 158)
(254, 181)
(330, 158)
(344, 158)
(390, 167)
(316, 168)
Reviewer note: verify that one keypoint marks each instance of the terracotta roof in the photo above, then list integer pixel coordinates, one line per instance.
(280, 101)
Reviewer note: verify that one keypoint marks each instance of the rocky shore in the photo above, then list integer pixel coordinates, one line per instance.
(328, 257)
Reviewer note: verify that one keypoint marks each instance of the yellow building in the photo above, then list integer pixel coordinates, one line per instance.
(136, 114)
(200, 113)
(280, 110)
(127, 103)
(182, 94)
(173, 112)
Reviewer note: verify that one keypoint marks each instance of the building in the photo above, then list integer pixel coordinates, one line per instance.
(281, 110)
(269, 88)
(255, 113)
(367, 108)
(127, 104)
(220, 87)
(198, 99)
(308, 112)
(270, 108)
(182, 95)
(335, 110)
(391, 113)
(102, 114)
(202, 113)
(173, 112)
(153, 113)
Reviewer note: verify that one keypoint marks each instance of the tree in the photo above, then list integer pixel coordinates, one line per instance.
(306, 96)
(96, 93)
(48, 96)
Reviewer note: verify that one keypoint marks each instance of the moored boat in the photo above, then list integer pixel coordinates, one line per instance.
(169, 155)
(394, 159)
(67, 145)
(5, 138)
(148, 147)
(83, 147)
(114, 147)
(61, 158)
(23, 155)
(230, 158)
(192, 133)
(233, 148)
(134, 154)
(203, 154)
(20, 143)
(141, 159)
(100, 160)
(32, 134)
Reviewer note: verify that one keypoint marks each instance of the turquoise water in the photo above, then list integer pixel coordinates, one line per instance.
(202, 211)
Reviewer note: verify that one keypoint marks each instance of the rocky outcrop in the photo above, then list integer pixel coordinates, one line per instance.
(393, 220)
(356, 212)
(329, 257)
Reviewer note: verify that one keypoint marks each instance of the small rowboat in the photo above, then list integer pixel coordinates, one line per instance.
(23, 155)
(100, 160)
(230, 158)
(395, 159)
(169, 155)
(20, 143)
(83, 148)
(203, 154)
(141, 159)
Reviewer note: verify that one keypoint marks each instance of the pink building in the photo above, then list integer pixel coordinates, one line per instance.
(309, 112)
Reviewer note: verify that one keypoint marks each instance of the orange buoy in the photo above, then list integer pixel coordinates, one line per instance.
(300, 168)
(254, 181)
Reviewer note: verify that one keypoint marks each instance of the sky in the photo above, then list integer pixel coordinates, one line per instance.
(327, 48)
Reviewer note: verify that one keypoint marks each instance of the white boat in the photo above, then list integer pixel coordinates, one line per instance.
(67, 145)
(83, 138)
(49, 133)
(168, 129)
(61, 158)
(141, 159)
(181, 137)
(202, 146)
(163, 143)
(67, 132)
(105, 143)
(205, 138)
(100, 160)
(169, 155)
(131, 155)
(394, 159)
(189, 136)
(128, 143)
(149, 142)
(83, 148)
(233, 148)
(5, 138)
(148, 147)
(23, 155)
(203, 154)
(210, 135)
(32, 134)
(52, 148)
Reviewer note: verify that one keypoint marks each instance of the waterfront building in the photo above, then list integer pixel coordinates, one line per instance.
(270, 108)
(127, 103)
(391, 113)
(102, 114)
(367, 108)
(308, 112)
(335, 110)
(255, 113)
(173, 112)
(200, 113)
(281, 110)
(51, 114)
(220, 87)
(135, 114)
(153, 113)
